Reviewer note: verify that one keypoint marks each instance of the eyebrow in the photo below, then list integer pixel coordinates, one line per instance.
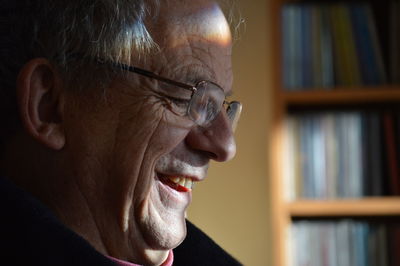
(197, 73)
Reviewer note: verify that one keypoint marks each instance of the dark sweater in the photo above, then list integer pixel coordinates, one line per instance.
(31, 235)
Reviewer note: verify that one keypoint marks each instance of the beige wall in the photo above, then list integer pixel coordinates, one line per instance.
(232, 205)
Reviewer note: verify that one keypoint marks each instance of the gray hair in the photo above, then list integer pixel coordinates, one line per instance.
(66, 30)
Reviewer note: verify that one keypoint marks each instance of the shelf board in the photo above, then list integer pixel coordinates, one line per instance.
(342, 96)
(385, 206)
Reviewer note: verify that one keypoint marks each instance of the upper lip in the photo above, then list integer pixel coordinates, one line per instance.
(195, 178)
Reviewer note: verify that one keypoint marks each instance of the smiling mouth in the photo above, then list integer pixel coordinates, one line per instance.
(181, 184)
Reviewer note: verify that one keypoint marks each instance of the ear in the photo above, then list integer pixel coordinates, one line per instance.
(40, 103)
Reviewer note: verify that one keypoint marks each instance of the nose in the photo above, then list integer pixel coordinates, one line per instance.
(217, 140)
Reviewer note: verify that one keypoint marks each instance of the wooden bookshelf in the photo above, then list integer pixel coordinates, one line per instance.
(385, 206)
(284, 212)
(342, 96)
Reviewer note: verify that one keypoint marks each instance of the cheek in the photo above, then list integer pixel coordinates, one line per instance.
(162, 140)
(143, 136)
(149, 132)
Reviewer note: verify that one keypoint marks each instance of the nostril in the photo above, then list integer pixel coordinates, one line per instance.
(210, 155)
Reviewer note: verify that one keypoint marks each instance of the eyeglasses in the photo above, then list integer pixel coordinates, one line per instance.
(205, 103)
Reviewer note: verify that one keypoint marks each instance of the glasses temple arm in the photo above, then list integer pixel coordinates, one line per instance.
(157, 77)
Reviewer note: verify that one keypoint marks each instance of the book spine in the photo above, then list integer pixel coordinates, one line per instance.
(288, 46)
(391, 152)
(376, 47)
(306, 53)
(297, 47)
(394, 32)
(316, 47)
(338, 49)
(326, 53)
(375, 156)
(332, 155)
(364, 44)
(318, 164)
(349, 62)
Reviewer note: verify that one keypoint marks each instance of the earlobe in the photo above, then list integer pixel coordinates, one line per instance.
(40, 103)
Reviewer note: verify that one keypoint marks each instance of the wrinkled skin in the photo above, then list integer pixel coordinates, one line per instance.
(119, 143)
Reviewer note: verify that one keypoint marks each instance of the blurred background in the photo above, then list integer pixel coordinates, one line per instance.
(232, 205)
(334, 177)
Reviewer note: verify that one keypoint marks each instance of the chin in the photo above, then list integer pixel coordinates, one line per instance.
(161, 217)
(164, 235)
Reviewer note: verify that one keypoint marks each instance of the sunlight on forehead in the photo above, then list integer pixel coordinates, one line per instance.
(210, 23)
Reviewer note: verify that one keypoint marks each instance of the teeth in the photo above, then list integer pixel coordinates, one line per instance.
(188, 183)
(183, 181)
(174, 179)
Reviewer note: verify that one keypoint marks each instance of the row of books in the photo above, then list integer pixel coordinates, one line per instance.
(332, 155)
(344, 242)
(329, 45)
(394, 33)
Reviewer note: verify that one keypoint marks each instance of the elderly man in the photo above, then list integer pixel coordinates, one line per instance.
(111, 110)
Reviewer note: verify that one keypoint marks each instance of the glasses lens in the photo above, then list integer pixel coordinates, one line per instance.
(206, 103)
(233, 111)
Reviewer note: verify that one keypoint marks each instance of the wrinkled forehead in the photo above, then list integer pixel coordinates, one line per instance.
(181, 20)
(195, 42)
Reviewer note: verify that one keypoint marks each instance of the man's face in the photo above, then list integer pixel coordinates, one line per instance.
(130, 147)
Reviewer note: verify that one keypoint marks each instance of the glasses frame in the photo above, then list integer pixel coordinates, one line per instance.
(185, 86)
(153, 75)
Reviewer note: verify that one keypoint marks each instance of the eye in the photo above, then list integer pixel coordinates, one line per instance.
(178, 99)
(177, 105)
(179, 102)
